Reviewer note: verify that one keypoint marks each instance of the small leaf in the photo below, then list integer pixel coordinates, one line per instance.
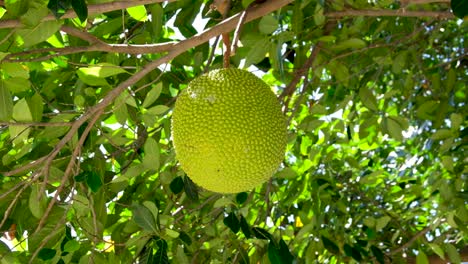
(232, 222)
(161, 255)
(245, 227)
(16, 84)
(71, 246)
(37, 202)
(158, 110)
(47, 253)
(21, 111)
(190, 189)
(241, 197)
(330, 245)
(285, 254)
(382, 222)
(101, 70)
(261, 233)
(274, 254)
(378, 254)
(39, 33)
(421, 258)
(144, 218)
(80, 8)
(177, 185)
(442, 134)
(138, 13)
(93, 180)
(368, 99)
(6, 103)
(268, 24)
(453, 254)
(152, 95)
(352, 252)
(151, 159)
(352, 43)
(438, 250)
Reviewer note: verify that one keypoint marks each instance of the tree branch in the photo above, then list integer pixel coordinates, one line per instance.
(36, 124)
(391, 13)
(92, 10)
(95, 45)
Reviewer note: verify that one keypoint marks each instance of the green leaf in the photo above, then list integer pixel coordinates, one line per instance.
(330, 245)
(157, 20)
(285, 254)
(177, 185)
(241, 197)
(37, 201)
(94, 181)
(152, 95)
(71, 246)
(442, 134)
(421, 258)
(158, 110)
(453, 254)
(101, 70)
(352, 252)
(80, 8)
(268, 24)
(36, 106)
(257, 52)
(161, 255)
(382, 222)
(39, 33)
(261, 233)
(245, 227)
(232, 222)
(394, 129)
(138, 13)
(286, 173)
(21, 112)
(190, 189)
(47, 253)
(368, 99)
(16, 84)
(378, 254)
(144, 218)
(6, 103)
(459, 8)
(274, 254)
(151, 159)
(438, 250)
(352, 43)
(15, 70)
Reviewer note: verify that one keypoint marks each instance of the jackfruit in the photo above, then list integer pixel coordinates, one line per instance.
(228, 131)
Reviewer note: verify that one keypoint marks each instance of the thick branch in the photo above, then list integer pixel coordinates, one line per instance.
(92, 10)
(391, 13)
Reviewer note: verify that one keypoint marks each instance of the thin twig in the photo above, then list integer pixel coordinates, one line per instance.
(390, 13)
(13, 203)
(235, 39)
(36, 124)
(410, 241)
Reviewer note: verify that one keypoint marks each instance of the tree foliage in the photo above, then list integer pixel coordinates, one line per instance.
(375, 93)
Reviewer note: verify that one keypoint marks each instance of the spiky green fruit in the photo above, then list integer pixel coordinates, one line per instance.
(228, 131)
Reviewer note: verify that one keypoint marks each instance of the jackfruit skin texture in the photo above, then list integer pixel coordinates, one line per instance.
(228, 131)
